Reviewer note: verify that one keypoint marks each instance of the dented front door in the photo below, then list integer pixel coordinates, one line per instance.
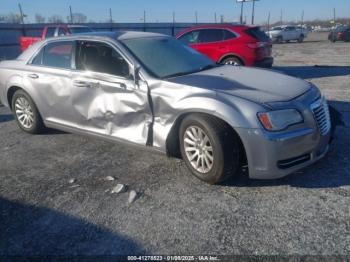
(111, 106)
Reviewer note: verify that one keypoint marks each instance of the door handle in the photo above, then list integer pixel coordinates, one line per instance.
(33, 76)
(83, 84)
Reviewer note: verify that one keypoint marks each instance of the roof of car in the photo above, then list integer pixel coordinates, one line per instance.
(238, 27)
(221, 26)
(118, 35)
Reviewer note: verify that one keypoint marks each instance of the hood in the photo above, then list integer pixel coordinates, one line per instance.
(258, 85)
(274, 32)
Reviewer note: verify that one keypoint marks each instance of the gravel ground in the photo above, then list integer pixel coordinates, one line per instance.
(42, 212)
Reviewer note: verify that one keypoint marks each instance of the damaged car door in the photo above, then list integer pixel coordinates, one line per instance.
(105, 97)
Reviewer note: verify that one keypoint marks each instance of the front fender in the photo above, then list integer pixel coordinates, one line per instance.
(237, 112)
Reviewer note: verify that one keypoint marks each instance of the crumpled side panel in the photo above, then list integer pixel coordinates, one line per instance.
(113, 111)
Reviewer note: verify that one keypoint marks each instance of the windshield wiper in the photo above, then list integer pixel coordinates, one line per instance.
(207, 67)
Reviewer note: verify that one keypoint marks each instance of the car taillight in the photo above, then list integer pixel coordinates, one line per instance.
(257, 45)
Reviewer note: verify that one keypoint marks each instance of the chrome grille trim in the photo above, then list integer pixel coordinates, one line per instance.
(321, 114)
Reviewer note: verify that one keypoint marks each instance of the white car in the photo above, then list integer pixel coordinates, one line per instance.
(280, 34)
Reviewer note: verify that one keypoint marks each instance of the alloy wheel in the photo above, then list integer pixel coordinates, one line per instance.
(24, 112)
(199, 150)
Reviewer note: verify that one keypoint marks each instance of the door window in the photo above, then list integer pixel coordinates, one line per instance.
(211, 35)
(101, 58)
(228, 35)
(190, 38)
(61, 31)
(50, 32)
(57, 54)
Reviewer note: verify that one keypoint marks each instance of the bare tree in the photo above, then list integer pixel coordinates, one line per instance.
(10, 18)
(78, 18)
(39, 19)
(55, 19)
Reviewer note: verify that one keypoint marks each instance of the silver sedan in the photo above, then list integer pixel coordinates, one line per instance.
(151, 90)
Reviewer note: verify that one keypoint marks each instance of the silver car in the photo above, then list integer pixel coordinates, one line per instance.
(153, 91)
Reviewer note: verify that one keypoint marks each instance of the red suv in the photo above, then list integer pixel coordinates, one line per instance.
(231, 44)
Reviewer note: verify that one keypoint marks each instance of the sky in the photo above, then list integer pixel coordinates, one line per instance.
(161, 10)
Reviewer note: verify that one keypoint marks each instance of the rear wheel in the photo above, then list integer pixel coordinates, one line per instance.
(279, 40)
(301, 39)
(26, 113)
(209, 147)
(232, 61)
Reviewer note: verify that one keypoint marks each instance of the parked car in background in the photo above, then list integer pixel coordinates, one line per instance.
(231, 44)
(116, 86)
(54, 31)
(340, 33)
(280, 34)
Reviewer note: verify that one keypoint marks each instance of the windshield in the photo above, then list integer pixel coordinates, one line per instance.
(80, 30)
(276, 28)
(166, 57)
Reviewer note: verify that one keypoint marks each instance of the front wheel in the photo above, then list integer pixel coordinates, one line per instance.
(26, 113)
(209, 147)
(301, 39)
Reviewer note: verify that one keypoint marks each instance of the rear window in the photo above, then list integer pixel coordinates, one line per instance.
(211, 35)
(80, 30)
(258, 34)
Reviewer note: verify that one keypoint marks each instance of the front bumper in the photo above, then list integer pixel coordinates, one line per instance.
(272, 156)
(265, 63)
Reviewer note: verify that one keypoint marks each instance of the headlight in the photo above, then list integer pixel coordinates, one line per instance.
(280, 120)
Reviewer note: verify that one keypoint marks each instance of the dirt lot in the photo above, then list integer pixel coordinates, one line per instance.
(305, 213)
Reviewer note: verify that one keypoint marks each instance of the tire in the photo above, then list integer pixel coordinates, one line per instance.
(235, 61)
(26, 113)
(279, 40)
(301, 39)
(223, 142)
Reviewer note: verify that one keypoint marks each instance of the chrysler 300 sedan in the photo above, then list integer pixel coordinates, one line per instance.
(153, 91)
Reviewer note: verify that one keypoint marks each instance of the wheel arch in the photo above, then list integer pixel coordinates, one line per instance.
(173, 143)
(10, 93)
(232, 55)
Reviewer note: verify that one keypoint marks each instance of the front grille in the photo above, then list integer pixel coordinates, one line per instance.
(320, 110)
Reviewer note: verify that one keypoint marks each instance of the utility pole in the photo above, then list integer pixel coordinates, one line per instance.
(71, 14)
(253, 12)
(110, 16)
(241, 18)
(144, 20)
(21, 13)
(268, 22)
(196, 15)
(281, 18)
(334, 16)
(22, 19)
(215, 18)
(173, 28)
(302, 18)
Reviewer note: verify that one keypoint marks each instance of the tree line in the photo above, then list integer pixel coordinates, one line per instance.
(76, 18)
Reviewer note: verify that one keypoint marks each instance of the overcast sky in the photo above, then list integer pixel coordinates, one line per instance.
(161, 10)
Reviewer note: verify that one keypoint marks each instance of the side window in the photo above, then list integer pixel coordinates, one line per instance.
(50, 32)
(228, 35)
(58, 54)
(211, 35)
(190, 38)
(38, 59)
(101, 58)
(61, 31)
